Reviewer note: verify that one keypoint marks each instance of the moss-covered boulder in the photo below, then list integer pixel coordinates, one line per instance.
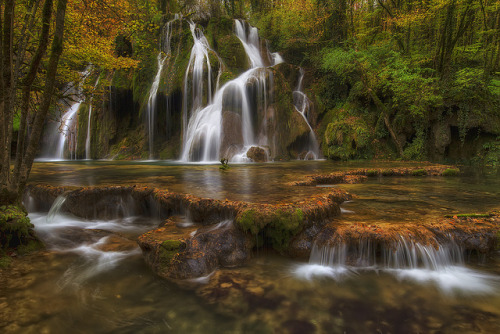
(16, 231)
(176, 253)
(275, 227)
(347, 137)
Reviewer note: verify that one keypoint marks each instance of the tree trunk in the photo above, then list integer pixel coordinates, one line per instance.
(7, 94)
(27, 85)
(56, 51)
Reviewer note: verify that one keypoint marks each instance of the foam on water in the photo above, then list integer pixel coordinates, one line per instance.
(442, 267)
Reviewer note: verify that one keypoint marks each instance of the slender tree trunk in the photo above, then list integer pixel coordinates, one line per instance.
(56, 51)
(7, 87)
(27, 85)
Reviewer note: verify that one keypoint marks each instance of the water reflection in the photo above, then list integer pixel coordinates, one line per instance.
(93, 279)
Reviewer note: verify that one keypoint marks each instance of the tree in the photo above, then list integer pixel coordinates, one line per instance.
(24, 62)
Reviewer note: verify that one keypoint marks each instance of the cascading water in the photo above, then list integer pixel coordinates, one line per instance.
(165, 51)
(87, 141)
(203, 126)
(67, 136)
(443, 265)
(202, 129)
(67, 131)
(302, 105)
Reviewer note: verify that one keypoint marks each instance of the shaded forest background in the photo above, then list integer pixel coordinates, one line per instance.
(415, 79)
(407, 79)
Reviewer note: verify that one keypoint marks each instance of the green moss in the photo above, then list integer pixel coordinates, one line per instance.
(372, 172)
(16, 231)
(168, 249)
(278, 227)
(284, 226)
(450, 172)
(225, 77)
(347, 137)
(248, 221)
(30, 247)
(419, 172)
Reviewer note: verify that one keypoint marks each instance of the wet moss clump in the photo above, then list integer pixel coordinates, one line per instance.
(285, 225)
(277, 227)
(168, 249)
(419, 172)
(16, 230)
(450, 172)
(372, 172)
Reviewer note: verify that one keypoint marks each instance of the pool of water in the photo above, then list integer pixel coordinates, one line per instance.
(93, 279)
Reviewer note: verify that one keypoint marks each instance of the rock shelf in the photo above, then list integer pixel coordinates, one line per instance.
(223, 234)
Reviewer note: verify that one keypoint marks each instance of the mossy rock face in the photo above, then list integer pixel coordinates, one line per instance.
(283, 119)
(347, 137)
(419, 172)
(168, 249)
(16, 230)
(450, 172)
(277, 227)
(221, 37)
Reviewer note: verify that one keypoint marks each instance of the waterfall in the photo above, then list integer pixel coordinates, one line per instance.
(87, 141)
(203, 124)
(443, 265)
(203, 128)
(67, 133)
(66, 137)
(302, 105)
(165, 51)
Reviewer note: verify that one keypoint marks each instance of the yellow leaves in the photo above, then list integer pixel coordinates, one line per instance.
(301, 19)
(92, 27)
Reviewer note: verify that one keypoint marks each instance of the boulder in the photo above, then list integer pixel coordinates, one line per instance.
(193, 254)
(257, 154)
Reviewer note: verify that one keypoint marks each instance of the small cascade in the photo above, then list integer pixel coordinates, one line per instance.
(443, 265)
(87, 141)
(165, 51)
(56, 207)
(242, 98)
(302, 105)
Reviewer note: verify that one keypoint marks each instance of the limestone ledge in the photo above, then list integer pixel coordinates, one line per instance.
(226, 231)
(362, 174)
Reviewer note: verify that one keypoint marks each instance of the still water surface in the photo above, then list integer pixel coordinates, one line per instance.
(92, 278)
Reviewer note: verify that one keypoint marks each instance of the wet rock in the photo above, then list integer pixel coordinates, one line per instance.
(232, 138)
(184, 256)
(257, 154)
(236, 294)
(16, 231)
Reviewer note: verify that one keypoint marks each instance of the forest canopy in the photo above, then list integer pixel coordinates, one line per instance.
(408, 79)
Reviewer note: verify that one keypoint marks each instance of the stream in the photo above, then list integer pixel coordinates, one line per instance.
(92, 277)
